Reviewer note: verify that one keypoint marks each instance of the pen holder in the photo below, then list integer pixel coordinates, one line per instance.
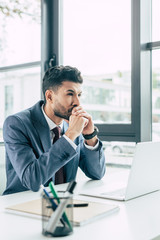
(57, 221)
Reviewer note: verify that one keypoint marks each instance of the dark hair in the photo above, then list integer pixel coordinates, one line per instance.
(55, 76)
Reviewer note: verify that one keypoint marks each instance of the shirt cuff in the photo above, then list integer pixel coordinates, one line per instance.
(70, 141)
(91, 147)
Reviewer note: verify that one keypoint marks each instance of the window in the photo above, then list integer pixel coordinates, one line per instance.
(155, 20)
(155, 48)
(20, 32)
(8, 91)
(113, 43)
(100, 46)
(20, 40)
(106, 47)
(96, 39)
(103, 40)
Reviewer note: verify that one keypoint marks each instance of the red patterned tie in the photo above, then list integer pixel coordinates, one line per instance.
(59, 176)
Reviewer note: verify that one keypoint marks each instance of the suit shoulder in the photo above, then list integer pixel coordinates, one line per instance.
(22, 116)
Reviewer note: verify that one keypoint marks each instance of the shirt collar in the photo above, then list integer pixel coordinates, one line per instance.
(51, 124)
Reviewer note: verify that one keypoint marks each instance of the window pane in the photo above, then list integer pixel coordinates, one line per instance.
(155, 20)
(19, 89)
(19, 31)
(156, 95)
(119, 153)
(8, 100)
(97, 40)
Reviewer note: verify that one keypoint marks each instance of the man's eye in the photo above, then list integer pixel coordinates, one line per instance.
(70, 94)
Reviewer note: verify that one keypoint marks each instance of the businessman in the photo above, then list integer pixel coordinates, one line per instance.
(50, 140)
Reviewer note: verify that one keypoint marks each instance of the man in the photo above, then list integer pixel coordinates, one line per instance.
(31, 157)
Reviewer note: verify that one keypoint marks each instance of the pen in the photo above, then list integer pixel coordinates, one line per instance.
(54, 205)
(71, 187)
(78, 205)
(51, 185)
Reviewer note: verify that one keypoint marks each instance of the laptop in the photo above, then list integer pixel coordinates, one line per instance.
(144, 176)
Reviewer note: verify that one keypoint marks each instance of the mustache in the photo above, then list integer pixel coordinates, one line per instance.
(70, 110)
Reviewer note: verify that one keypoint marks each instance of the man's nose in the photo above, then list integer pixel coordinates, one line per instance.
(76, 101)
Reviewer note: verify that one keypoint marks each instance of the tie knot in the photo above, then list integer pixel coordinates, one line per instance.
(56, 132)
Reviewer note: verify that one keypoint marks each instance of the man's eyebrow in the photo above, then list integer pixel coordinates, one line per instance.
(70, 90)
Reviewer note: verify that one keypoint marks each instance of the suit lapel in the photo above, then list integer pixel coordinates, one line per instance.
(41, 125)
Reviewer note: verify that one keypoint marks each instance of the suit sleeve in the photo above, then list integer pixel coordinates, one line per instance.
(27, 160)
(92, 162)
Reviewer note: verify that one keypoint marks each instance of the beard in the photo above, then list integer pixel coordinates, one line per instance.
(62, 112)
(63, 115)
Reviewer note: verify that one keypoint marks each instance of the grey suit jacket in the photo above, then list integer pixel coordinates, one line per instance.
(32, 160)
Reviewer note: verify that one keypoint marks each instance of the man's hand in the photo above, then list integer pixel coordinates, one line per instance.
(81, 122)
(76, 126)
(88, 127)
(80, 112)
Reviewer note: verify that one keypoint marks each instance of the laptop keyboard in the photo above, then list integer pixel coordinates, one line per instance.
(119, 192)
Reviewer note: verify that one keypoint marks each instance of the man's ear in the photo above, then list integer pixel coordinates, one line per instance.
(49, 94)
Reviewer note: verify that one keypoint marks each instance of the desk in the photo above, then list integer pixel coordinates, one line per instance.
(137, 219)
